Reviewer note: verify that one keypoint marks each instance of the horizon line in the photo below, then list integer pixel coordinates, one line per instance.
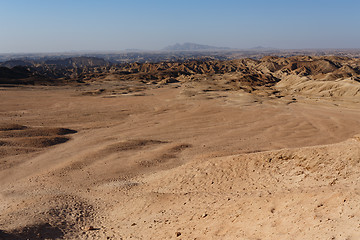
(162, 50)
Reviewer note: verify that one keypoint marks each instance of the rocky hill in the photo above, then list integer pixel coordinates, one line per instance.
(16, 75)
(76, 62)
(323, 76)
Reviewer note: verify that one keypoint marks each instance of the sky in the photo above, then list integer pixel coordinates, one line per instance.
(28, 26)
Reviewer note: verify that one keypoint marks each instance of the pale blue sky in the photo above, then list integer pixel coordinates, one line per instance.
(66, 25)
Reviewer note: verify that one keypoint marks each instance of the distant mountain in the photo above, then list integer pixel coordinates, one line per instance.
(192, 47)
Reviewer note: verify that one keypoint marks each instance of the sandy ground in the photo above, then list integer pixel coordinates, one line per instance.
(171, 163)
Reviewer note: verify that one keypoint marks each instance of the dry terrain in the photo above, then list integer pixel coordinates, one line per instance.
(243, 149)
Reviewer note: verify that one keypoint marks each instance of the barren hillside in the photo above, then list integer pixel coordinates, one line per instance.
(240, 149)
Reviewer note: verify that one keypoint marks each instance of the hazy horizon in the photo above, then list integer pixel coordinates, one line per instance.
(41, 26)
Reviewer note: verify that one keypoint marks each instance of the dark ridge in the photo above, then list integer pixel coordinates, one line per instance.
(17, 72)
(23, 131)
(133, 145)
(10, 127)
(36, 232)
(40, 142)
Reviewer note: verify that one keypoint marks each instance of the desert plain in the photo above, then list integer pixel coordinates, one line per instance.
(246, 149)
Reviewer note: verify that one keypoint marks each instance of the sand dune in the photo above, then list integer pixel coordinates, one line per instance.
(305, 193)
(210, 156)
